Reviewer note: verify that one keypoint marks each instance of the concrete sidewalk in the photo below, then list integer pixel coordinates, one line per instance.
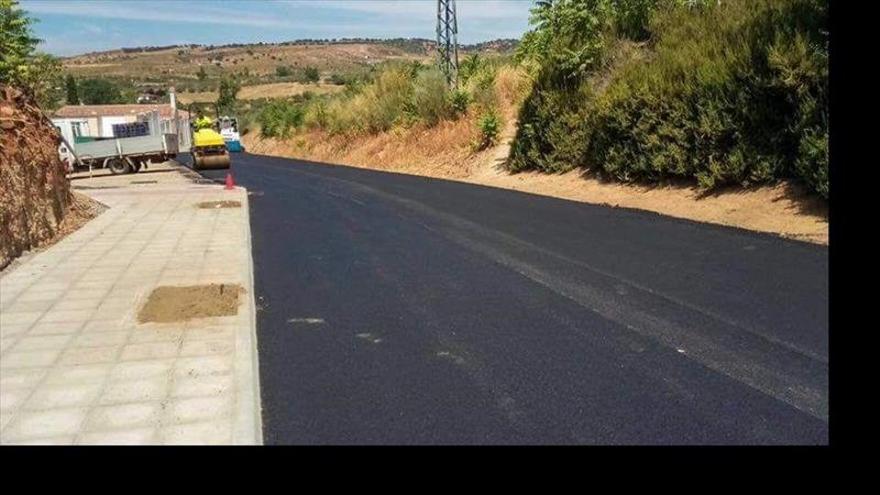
(75, 365)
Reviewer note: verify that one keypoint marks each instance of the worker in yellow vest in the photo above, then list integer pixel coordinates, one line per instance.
(204, 122)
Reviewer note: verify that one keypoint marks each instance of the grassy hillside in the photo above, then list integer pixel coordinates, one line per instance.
(261, 60)
(263, 72)
(396, 95)
(197, 68)
(438, 133)
(732, 92)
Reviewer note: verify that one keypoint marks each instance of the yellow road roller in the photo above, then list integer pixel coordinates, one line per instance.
(208, 147)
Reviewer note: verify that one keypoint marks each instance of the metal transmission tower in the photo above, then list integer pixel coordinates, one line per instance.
(447, 40)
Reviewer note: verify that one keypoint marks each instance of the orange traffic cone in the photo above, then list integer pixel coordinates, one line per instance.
(230, 182)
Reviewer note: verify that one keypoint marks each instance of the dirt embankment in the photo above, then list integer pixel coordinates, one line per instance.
(34, 192)
(37, 207)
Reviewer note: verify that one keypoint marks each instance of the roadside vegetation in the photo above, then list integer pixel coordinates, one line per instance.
(732, 92)
(400, 96)
(21, 64)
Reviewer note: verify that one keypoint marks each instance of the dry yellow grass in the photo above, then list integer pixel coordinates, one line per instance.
(273, 90)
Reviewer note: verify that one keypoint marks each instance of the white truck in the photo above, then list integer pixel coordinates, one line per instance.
(121, 155)
(124, 155)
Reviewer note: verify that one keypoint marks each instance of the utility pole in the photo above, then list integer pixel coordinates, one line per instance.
(447, 41)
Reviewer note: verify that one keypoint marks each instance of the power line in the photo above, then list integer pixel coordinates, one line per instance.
(447, 40)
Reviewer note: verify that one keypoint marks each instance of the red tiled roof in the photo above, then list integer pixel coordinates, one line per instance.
(82, 111)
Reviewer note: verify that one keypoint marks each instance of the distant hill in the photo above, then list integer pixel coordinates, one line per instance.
(257, 62)
(503, 46)
(409, 45)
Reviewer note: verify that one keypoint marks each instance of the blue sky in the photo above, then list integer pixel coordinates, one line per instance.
(69, 27)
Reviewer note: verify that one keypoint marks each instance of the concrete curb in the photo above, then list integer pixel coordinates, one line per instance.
(248, 429)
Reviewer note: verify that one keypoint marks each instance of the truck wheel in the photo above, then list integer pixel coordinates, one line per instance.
(118, 166)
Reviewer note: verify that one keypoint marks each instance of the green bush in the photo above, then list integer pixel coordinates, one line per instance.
(481, 86)
(468, 67)
(459, 100)
(227, 94)
(552, 130)
(311, 75)
(734, 92)
(396, 95)
(316, 115)
(490, 128)
(98, 91)
(278, 118)
(429, 97)
(372, 107)
(338, 79)
(393, 95)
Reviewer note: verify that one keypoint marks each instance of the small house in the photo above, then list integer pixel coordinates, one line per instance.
(86, 122)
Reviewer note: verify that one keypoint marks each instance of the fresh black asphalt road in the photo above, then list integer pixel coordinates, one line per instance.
(396, 309)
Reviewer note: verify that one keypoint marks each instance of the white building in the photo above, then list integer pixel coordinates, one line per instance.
(97, 121)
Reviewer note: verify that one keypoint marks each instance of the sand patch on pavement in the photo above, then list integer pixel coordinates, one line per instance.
(175, 304)
(207, 205)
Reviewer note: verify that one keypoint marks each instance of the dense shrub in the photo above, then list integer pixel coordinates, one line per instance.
(552, 130)
(99, 91)
(227, 94)
(481, 87)
(469, 66)
(396, 95)
(734, 92)
(429, 97)
(278, 118)
(372, 107)
(459, 100)
(311, 75)
(316, 115)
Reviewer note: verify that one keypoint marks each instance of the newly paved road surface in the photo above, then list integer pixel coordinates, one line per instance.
(397, 309)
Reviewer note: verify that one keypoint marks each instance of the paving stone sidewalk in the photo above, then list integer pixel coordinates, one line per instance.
(75, 365)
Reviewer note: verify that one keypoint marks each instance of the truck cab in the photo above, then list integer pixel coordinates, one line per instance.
(229, 130)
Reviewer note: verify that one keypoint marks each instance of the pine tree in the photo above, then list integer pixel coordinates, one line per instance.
(72, 90)
(229, 88)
